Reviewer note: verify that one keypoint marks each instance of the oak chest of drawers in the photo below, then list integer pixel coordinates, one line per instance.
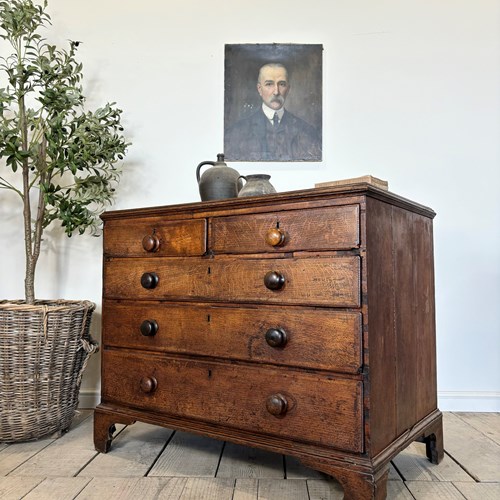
(301, 322)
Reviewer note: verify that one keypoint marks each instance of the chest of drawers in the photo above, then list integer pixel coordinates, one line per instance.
(300, 322)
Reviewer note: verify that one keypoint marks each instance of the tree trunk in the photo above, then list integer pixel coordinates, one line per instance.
(29, 282)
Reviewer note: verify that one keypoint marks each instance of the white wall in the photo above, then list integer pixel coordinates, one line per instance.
(411, 95)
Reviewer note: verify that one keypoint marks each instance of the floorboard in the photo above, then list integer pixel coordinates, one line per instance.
(188, 455)
(412, 465)
(241, 461)
(472, 449)
(150, 462)
(487, 423)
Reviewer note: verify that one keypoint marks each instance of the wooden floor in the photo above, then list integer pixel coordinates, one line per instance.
(151, 462)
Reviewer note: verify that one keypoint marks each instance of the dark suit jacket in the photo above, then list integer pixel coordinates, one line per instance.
(255, 138)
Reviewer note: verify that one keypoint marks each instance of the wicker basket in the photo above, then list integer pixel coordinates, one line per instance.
(44, 349)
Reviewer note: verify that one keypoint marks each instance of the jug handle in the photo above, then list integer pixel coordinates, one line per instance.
(241, 177)
(201, 165)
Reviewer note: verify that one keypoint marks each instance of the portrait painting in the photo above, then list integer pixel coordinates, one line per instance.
(273, 102)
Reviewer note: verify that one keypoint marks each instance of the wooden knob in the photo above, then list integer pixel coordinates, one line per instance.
(149, 280)
(276, 337)
(275, 237)
(277, 405)
(148, 384)
(151, 243)
(274, 280)
(149, 327)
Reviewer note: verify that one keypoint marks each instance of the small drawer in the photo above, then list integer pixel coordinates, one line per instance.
(332, 228)
(326, 410)
(155, 237)
(326, 281)
(302, 337)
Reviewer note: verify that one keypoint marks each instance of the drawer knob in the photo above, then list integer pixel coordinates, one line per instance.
(276, 337)
(149, 327)
(151, 243)
(148, 384)
(149, 280)
(275, 237)
(277, 405)
(274, 280)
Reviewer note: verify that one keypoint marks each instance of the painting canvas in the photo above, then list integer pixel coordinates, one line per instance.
(273, 102)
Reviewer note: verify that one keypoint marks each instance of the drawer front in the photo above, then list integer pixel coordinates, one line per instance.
(310, 338)
(332, 228)
(305, 407)
(327, 281)
(155, 237)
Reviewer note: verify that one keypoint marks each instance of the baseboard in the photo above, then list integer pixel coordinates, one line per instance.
(89, 399)
(480, 401)
(470, 401)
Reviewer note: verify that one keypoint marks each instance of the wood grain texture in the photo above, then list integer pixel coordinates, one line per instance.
(60, 488)
(478, 491)
(312, 281)
(334, 228)
(291, 489)
(351, 290)
(380, 356)
(324, 490)
(329, 340)
(487, 423)
(208, 489)
(16, 454)
(66, 456)
(400, 321)
(478, 454)
(412, 464)
(145, 442)
(184, 237)
(397, 490)
(133, 488)
(188, 455)
(13, 488)
(236, 396)
(244, 489)
(423, 490)
(295, 470)
(244, 462)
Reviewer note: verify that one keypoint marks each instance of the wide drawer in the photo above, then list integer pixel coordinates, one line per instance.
(331, 228)
(300, 406)
(311, 338)
(327, 281)
(155, 236)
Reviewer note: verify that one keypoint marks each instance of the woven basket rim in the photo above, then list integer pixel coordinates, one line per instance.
(49, 304)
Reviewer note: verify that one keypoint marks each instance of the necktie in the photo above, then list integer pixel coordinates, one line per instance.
(275, 120)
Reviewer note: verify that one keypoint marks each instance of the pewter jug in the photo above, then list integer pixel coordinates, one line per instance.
(218, 182)
(256, 185)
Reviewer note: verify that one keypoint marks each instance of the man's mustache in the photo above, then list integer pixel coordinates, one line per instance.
(278, 98)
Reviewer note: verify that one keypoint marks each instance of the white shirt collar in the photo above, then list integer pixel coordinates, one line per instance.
(269, 112)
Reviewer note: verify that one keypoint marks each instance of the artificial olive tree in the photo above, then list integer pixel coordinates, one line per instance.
(62, 156)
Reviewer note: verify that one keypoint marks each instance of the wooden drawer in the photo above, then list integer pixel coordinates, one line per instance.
(320, 409)
(327, 281)
(310, 338)
(332, 228)
(155, 237)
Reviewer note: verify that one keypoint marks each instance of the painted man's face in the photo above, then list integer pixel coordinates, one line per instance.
(273, 86)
